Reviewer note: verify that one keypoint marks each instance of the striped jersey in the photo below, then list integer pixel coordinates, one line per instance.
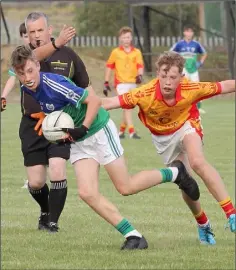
(56, 92)
(163, 119)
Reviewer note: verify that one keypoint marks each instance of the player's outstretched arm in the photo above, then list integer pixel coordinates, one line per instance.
(8, 86)
(111, 103)
(227, 86)
(66, 34)
(6, 90)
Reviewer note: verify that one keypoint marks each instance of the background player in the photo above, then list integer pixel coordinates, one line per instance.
(168, 110)
(190, 49)
(127, 62)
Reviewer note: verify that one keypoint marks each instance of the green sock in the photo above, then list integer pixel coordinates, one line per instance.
(167, 175)
(124, 227)
(199, 105)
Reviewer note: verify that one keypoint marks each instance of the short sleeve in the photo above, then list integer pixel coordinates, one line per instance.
(11, 72)
(200, 49)
(174, 48)
(111, 60)
(139, 59)
(65, 90)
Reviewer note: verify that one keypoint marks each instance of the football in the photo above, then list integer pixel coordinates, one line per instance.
(53, 123)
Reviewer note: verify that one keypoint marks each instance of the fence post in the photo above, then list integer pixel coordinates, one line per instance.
(168, 41)
(92, 41)
(162, 41)
(82, 41)
(87, 43)
(109, 41)
(141, 40)
(104, 41)
(114, 41)
(98, 39)
(152, 42)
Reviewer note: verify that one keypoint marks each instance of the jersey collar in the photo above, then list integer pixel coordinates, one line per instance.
(159, 95)
(122, 48)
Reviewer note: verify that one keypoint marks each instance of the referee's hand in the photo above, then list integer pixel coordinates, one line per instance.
(66, 34)
(106, 88)
(3, 104)
(40, 117)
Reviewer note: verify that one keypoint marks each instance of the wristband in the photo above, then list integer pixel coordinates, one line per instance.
(54, 45)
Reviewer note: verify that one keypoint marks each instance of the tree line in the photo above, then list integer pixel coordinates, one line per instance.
(105, 19)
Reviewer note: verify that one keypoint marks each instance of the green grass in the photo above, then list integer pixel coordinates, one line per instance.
(85, 241)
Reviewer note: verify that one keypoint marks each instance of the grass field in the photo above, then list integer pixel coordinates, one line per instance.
(85, 241)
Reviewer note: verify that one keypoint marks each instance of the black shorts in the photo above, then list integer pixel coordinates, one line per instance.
(36, 149)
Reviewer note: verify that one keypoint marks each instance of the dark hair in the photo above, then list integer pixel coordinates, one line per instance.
(188, 27)
(170, 59)
(20, 55)
(22, 29)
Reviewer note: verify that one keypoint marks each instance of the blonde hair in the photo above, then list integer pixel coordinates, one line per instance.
(170, 59)
(124, 30)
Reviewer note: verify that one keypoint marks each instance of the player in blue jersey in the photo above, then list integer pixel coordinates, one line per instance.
(95, 142)
(190, 50)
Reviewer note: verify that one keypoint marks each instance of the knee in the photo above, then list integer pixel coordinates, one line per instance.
(124, 190)
(197, 164)
(57, 171)
(88, 196)
(36, 184)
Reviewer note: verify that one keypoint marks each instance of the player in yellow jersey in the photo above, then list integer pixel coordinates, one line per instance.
(127, 63)
(167, 107)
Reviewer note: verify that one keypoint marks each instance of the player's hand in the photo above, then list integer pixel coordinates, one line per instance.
(139, 79)
(65, 141)
(198, 64)
(106, 88)
(3, 104)
(66, 34)
(40, 117)
(76, 133)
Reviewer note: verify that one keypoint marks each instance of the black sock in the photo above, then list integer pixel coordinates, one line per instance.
(57, 199)
(41, 197)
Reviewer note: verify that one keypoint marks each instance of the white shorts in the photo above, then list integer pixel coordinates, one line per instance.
(123, 88)
(104, 146)
(170, 146)
(194, 77)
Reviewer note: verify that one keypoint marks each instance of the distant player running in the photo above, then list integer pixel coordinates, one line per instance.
(127, 62)
(190, 49)
(96, 142)
(167, 107)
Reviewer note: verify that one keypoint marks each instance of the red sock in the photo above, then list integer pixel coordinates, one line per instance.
(227, 207)
(122, 128)
(131, 129)
(201, 218)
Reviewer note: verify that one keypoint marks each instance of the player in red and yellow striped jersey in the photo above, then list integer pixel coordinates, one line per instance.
(167, 107)
(127, 62)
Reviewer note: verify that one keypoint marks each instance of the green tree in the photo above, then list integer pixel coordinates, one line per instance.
(105, 19)
(101, 19)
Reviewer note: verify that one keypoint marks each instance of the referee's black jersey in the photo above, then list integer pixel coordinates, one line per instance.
(63, 62)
